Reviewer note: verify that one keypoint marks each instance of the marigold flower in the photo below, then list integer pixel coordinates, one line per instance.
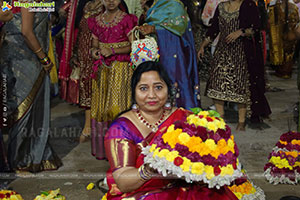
(172, 155)
(197, 168)
(184, 138)
(209, 170)
(210, 143)
(163, 153)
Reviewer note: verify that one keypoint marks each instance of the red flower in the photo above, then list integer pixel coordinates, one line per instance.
(234, 165)
(178, 161)
(217, 170)
(8, 195)
(209, 119)
(2, 196)
(200, 116)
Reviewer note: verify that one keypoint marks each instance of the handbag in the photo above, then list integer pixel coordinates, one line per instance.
(143, 50)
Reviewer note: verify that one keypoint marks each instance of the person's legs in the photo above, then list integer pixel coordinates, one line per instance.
(242, 117)
(86, 132)
(219, 107)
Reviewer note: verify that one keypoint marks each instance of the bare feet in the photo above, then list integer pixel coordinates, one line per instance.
(84, 137)
(241, 126)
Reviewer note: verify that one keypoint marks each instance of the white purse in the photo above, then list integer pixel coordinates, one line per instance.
(143, 50)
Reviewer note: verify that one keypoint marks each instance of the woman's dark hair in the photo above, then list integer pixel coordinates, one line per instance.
(149, 3)
(146, 67)
(79, 12)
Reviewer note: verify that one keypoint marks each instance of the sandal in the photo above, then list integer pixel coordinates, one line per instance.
(102, 186)
(84, 137)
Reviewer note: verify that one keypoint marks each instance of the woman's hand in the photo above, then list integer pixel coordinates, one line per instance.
(95, 53)
(106, 52)
(201, 52)
(146, 29)
(48, 67)
(233, 36)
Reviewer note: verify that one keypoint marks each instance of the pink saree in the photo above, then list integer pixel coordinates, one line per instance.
(124, 140)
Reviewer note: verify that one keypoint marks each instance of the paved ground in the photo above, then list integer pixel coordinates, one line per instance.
(80, 168)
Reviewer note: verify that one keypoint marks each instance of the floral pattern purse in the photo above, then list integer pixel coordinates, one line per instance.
(143, 50)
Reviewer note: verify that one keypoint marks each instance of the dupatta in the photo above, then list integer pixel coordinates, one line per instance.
(168, 14)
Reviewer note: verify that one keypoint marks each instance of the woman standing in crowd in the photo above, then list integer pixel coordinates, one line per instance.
(111, 47)
(151, 88)
(169, 20)
(26, 65)
(81, 58)
(283, 18)
(237, 73)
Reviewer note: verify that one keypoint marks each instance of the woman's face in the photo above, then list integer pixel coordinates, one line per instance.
(151, 93)
(111, 4)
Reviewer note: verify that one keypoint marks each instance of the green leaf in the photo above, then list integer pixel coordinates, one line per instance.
(196, 110)
(213, 113)
(45, 193)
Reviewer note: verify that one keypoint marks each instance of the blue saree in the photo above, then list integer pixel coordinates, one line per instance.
(177, 50)
(28, 98)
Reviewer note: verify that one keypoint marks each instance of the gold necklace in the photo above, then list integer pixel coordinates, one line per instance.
(153, 127)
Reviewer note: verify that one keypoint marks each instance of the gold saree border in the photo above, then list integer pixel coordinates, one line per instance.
(27, 102)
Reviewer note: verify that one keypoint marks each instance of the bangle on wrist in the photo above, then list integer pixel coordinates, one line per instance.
(143, 173)
(45, 60)
(113, 51)
(37, 51)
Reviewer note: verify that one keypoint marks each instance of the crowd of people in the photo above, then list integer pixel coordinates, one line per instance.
(124, 105)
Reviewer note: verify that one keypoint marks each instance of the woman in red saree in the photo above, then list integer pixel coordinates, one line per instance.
(136, 128)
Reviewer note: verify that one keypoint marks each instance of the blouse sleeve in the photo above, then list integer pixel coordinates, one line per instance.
(92, 25)
(120, 149)
(213, 30)
(130, 22)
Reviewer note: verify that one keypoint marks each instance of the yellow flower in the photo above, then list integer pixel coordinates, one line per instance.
(238, 195)
(230, 144)
(186, 164)
(212, 126)
(90, 186)
(153, 146)
(294, 142)
(194, 144)
(204, 150)
(217, 123)
(210, 143)
(171, 156)
(209, 170)
(204, 113)
(156, 152)
(197, 168)
(215, 153)
(104, 197)
(227, 170)
(283, 142)
(184, 138)
(222, 124)
(163, 153)
(203, 122)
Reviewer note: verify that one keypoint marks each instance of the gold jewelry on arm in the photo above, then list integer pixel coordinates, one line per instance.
(37, 51)
(144, 174)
